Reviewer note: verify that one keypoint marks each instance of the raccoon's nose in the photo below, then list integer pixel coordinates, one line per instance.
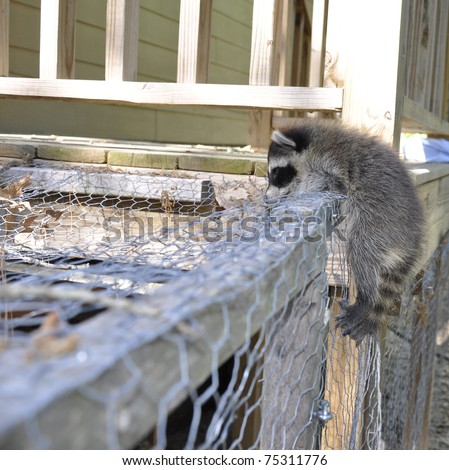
(270, 193)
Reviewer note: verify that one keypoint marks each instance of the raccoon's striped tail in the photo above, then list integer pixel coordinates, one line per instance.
(388, 300)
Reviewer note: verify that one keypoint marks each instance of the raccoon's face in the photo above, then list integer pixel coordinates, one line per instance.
(282, 178)
(295, 167)
(287, 165)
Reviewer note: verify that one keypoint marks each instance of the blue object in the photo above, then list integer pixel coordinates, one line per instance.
(427, 150)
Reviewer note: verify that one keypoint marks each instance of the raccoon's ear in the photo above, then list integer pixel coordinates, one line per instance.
(279, 138)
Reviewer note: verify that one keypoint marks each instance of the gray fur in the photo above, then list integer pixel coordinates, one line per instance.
(384, 218)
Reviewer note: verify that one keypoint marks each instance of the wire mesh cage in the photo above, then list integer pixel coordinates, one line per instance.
(139, 312)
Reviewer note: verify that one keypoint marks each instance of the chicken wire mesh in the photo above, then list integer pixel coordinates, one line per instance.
(137, 311)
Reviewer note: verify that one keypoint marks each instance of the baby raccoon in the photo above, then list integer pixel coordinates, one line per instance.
(384, 218)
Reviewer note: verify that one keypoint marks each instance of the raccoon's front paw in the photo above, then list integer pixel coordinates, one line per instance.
(354, 323)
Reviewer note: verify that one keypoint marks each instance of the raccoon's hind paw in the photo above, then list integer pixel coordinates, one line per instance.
(354, 323)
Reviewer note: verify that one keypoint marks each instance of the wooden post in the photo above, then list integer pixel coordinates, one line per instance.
(292, 371)
(261, 66)
(318, 52)
(437, 90)
(57, 43)
(285, 22)
(341, 386)
(421, 370)
(298, 53)
(4, 38)
(370, 62)
(262, 42)
(371, 66)
(285, 30)
(245, 428)
(194, 41)
(122, 38)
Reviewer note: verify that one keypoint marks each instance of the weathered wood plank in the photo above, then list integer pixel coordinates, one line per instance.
(418, 37)
(300, 59)
(431, 29)
(71, 154)
(259, 125)
(194, 41)
(4, 38)
(115, 184)
(441, 59)
(17, 151)
(245, 429)
(308, 9)
(370, 99)
(421, 370)
(284, 44)
(175, 94)
(342, 372)
(292, 371)
(242, 166)
(411, 53)
(417, 119)
(337, 267)
(425, 172)
(143, 159)
(439, 431)
(371, 102)
(285, 23)
(81, 276)
(122, 37)
(262, 42)
(57, 44)
(436, 203)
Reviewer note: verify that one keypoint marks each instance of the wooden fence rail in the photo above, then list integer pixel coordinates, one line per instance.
(175, 94)
(423, 58)
(57, 63)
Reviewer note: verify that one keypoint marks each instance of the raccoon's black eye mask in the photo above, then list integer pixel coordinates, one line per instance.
(282, 176)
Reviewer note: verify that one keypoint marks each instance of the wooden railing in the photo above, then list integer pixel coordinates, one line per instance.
(57, 62)
(426, 83)
(373, 69)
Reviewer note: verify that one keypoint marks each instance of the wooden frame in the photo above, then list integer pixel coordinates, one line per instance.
(57, 48)
(418, 119)
(381, 108)
(122, 36)
(57, 63)
(175, 94)
(194, 41)
(370, 96)
(302, 46)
